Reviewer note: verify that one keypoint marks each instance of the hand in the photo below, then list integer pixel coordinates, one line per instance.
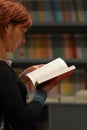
(25, 79)
(48, 85)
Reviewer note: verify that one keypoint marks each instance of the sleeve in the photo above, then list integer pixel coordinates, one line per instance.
(40, 96)
(12, 105)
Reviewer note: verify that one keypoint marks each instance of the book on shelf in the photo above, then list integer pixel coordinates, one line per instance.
(84, 8)
(80, 11)
(56, 68)
(57, 10)
(32, 6)
(64, 11)
(57, 45)
(78, 46)
(76, 10)
(72, 45)
(66, 47)
(47, 11)
(70, 11)
(41, 11)
(40, 47)
(66, 87)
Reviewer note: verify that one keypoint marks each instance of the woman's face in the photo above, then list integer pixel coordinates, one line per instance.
(15, 37)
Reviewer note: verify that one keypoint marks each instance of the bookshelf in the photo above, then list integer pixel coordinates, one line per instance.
(47, 12)
(58, 30)
(55, 27)
(73, 22)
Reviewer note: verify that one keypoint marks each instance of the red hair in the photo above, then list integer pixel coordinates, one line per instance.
(13, 12)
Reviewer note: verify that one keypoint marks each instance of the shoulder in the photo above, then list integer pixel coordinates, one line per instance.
(3, 65)
(5, 70)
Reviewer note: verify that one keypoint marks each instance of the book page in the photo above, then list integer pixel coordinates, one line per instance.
(49, 71)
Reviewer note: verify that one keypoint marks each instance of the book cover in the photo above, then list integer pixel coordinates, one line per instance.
(56, 68)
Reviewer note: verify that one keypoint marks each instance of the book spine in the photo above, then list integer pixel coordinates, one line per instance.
(72, 11)
(72, 45)
(57, 42)
(64, 11)
(35, 10)
(41, 11)
(82, 79)
(75, 8)
(84, 8)
(77, 80)
(48, 11)
(48, 51)
(79, 10)
(85, 44)
(66, 48)
(68, 9)
(65, 87)
(31, 49)
(57, 10)
(38, 47)
(72, 84)
(78, 47)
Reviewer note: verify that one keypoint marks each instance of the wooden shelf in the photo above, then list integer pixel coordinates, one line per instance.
(79, 63)
(61, 28)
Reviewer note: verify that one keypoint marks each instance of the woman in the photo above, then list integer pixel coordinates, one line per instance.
(14, 22)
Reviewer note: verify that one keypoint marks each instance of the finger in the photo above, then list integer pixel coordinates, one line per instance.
(30, 69)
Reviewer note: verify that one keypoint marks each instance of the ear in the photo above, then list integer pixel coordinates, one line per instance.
(3, 33)
(8, 29)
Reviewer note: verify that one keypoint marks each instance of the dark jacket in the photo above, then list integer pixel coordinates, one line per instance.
(17, 113)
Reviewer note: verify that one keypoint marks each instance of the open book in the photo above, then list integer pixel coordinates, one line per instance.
(56, 68)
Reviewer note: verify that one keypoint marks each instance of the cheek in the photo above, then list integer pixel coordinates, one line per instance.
(11, 44)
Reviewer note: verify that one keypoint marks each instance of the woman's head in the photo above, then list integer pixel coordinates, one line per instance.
(12, 12)
(14, 22)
